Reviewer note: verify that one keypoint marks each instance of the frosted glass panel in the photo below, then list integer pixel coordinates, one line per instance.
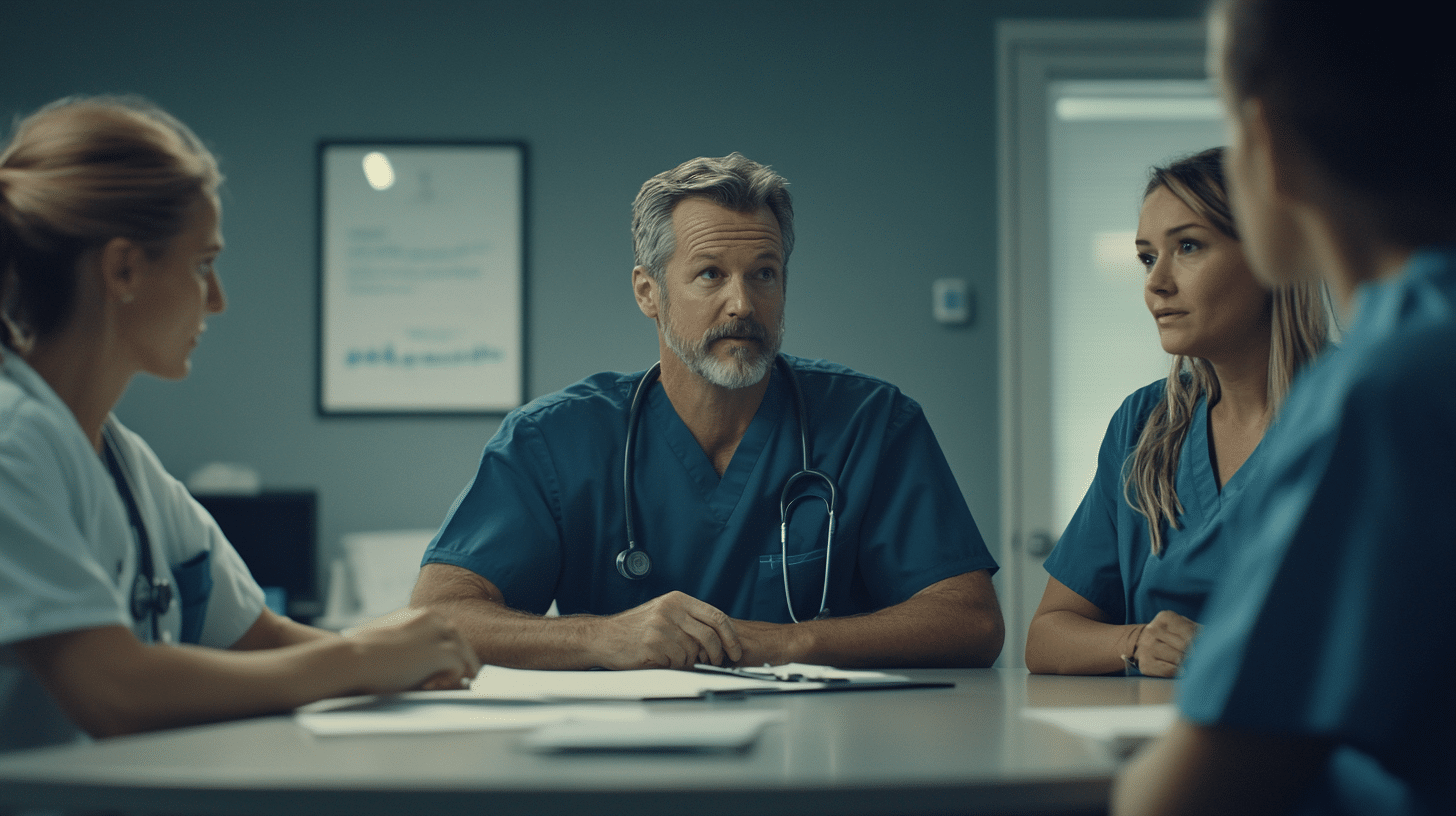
(1105, 136)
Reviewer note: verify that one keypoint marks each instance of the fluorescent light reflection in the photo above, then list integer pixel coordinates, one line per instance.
(1167, 109)
(378, 171)
(1135, 100)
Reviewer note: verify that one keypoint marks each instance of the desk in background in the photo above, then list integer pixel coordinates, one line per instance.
(962, 750)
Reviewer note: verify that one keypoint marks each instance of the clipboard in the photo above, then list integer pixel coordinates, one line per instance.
(640, 685)
(798, 678)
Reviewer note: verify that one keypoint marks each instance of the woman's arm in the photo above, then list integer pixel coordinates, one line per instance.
(271, 631)
(110, 683)
(1070, 635)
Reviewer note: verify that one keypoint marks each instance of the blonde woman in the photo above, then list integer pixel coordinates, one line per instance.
(1131, 572)
(122, 606)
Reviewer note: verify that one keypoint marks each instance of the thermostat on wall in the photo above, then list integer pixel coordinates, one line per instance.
(953, 302)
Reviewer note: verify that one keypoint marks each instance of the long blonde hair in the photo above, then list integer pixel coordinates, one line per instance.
(1299, 330)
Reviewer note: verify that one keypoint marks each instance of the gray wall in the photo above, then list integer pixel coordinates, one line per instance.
(881, 114)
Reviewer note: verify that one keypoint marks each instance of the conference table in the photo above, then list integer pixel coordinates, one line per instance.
(965, 749)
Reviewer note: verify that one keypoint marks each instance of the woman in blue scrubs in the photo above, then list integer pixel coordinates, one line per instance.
(1131, 571)
(1322, 681)
(122, 606)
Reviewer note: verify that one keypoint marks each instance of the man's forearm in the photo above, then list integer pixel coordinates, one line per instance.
(953, 623)
(503, 636)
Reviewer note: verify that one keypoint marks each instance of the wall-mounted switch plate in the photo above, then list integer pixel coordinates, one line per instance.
(953, 303)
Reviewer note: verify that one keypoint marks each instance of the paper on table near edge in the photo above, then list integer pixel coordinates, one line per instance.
(1121, 728)
(396, 714)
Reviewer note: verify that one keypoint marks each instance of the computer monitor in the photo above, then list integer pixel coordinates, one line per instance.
(276, 533)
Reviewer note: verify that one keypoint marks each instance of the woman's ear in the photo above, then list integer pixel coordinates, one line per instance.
(118, 261)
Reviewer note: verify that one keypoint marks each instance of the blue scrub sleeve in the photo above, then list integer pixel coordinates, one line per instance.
(1086, 557)
(1339, 621)
(918, 529)
(505, 526)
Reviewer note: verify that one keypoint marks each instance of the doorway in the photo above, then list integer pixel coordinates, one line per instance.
(1086, 109)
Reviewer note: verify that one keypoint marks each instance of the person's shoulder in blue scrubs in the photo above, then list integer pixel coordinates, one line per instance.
(738, 556)
(1130, 573)
(1321, 682)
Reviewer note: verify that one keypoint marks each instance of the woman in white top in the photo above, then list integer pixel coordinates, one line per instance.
(122, 606)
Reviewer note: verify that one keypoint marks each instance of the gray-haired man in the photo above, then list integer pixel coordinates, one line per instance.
(731, 506)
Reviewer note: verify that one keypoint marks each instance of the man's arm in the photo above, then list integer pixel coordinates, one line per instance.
(954, 622)
(1196, 769)
(671, 631)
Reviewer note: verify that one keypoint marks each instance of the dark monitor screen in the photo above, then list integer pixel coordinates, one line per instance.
(276, 533)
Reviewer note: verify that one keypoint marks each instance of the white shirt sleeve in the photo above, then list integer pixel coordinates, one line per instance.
(67, 551)
(181, 529)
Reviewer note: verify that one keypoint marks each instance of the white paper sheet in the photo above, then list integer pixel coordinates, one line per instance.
(497, 683)
(442, 712)
(1121, 728)
(693, 731)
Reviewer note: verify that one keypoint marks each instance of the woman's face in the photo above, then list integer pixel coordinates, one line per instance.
(1199, 288)
(174, 294)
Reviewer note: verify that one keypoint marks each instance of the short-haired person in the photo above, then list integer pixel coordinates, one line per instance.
(1132, 570)
(112, 579)
(1321, 682)
(711, 454)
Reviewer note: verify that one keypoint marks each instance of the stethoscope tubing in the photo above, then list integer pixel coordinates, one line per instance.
(634, 563)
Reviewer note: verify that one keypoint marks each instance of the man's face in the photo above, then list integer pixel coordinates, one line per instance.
(722, 300)
(1270, 239)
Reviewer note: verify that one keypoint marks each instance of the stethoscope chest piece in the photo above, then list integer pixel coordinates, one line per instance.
(633, 563)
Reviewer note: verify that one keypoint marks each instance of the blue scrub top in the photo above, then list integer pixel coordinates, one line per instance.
(543, 518)
(1336, 618)
(1105, 554)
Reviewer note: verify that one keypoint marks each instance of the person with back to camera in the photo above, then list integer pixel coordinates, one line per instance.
(113, 581)
(1131, 572)
(1321, 682)
(657, 528)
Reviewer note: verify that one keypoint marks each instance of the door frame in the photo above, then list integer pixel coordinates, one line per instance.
(1030, 56)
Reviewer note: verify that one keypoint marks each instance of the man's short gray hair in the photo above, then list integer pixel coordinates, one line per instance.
(734, 182)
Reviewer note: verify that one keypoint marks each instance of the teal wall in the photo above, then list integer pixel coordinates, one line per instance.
(881, 114)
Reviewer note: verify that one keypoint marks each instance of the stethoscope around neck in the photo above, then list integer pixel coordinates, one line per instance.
(634, 563)
(151, 596)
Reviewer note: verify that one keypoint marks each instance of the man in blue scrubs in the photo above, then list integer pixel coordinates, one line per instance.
(901, 577)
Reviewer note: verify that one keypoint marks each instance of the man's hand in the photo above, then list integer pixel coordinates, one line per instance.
(1163, 642)
(672, 631)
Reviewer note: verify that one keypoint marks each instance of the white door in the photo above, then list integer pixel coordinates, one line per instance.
(1087, 110)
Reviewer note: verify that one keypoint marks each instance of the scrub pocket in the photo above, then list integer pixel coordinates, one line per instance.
(806, 582)
(194, 587)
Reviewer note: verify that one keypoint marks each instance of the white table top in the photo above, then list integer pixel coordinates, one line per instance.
(965, 749)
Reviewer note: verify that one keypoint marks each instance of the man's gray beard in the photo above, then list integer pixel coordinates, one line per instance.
(748, 367)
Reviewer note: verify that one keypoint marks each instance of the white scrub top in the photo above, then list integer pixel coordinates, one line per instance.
(68, 556)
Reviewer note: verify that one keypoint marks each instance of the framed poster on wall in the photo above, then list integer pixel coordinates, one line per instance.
(421, 277)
